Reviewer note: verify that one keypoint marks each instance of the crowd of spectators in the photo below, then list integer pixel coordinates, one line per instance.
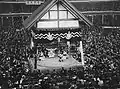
(101, 70)
(13, 54)
(102, 54)
(72, 78)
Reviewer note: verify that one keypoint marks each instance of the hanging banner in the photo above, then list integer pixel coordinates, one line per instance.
(56, 35)
(49, 36)
(68, 35)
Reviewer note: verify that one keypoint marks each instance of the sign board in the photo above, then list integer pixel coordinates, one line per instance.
(33, 2)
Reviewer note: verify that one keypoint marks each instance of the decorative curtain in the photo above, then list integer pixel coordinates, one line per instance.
(57, 35)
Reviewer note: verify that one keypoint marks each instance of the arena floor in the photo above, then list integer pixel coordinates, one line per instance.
(53, 63)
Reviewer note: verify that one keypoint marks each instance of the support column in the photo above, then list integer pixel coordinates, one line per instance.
(22, 18)
(68, 37)
(2, 20)
(81, 51)
(113, 20)
(12, 21)
(68, 44)
(32, 43)
(36, 62)
(36, 58)
(58, 45)
(102, 19)
(92, 18)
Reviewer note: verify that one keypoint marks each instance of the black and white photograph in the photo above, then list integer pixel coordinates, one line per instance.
(59, 44)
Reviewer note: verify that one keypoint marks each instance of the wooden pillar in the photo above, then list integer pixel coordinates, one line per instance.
(12, 21)
(68, 44)
(81, 51)
(68, 37)
(2, 21)
(36, 62)
(22, 18)
(102, 19)
(113, 20)
(36, 58)
(92, 18)
(32, 43)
